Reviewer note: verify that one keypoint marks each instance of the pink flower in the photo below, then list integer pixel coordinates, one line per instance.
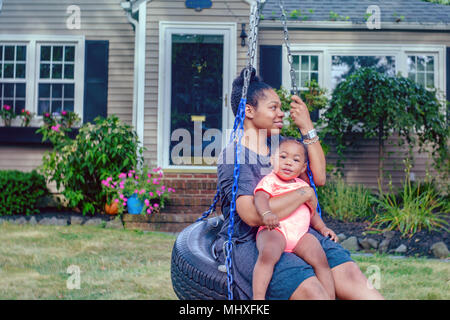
(155, 181)
(122, 176)
(136, 191)
(121, 196)
(6, 107)
(124, 203)
(156, 205)
(158, 192)
(163, 188)
(150, 194)
(149, 210)
(47, 115)
(116, 200)
(64, 112)
(130, 174)
(147, 203)
(136, 177)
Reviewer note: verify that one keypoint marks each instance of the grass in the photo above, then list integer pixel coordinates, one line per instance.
(125, 264)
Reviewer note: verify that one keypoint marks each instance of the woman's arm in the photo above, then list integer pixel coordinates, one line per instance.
(282, 205)
(300, 115)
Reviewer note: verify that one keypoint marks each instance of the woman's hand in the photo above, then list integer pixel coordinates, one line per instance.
(300, 115)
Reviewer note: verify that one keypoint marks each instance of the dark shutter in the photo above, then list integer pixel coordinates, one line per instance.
(95, 79)
(447, 80)
(270, 65)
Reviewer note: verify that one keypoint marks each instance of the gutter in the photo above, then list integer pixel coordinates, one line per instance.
(348, 25)
(136, 12)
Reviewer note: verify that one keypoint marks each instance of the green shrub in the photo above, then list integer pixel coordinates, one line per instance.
(415, 207)
(105, 148)
(345, 202)
(21, 191)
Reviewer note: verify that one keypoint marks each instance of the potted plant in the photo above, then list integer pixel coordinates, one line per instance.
(112, 195)
(26, 117)
(7, 114)
(141, 192)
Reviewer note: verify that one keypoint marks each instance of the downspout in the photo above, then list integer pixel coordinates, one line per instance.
(139, 26)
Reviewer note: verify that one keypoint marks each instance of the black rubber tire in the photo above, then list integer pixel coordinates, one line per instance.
(194, 271)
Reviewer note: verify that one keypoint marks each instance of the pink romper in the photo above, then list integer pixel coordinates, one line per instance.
(296, 224)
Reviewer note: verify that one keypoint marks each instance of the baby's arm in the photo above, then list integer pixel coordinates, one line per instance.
(262, 207)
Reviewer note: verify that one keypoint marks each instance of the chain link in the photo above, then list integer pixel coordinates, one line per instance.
(294, 89)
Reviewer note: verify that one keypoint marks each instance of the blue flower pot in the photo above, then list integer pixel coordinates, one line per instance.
(134, 205)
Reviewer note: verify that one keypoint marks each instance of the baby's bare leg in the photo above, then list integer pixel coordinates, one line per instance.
(270, 244)
(309, 249)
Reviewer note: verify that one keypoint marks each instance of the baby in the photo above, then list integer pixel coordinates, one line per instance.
(291, 233)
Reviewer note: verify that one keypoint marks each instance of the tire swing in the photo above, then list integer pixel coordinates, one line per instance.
(196, 273)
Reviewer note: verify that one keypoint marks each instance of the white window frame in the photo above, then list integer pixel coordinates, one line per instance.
(399, 51)
(166, 29)
(32, 43)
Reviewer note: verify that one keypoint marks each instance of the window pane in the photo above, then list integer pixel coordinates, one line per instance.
(68, 71)
(8, 90)
(45, 71)
(304, 79)
(45, 53)
(314, 63)
(44, 91)
(9, 53)
(9, 103)
(57, 71)
(1, 53)
(21, 53)
(43, 106)
(305, 63)
(57, 53)
(68, 105)
(57, 91)
(20, 104)
(412, 76)
(315, 76)
(411, 63)
(20, 90)
(8, 70)
(68, 91)
(20, 70)
(421, 78)
(69, 53)
(430, 63)
(430, 80)
(420, 64)
(295, 62)
(56, 106)
(1, 70)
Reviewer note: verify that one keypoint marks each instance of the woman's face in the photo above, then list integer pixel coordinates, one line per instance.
(268, 114)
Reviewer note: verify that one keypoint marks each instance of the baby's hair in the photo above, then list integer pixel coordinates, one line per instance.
(298, 141)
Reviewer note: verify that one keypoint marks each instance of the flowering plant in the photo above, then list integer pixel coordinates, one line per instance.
(7, 114)
(26, 117)
(146, 184)
(69, 118)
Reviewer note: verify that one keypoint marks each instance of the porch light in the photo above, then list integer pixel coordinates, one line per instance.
(243, 35)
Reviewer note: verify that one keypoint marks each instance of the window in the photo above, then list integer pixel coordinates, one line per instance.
(13, 76)
(42, 73)
(306, 69)
(421, 69)
(56, 83)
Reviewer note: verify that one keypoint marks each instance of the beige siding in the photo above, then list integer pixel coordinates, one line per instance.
(157, 10)
(361, 165)
(100, 20)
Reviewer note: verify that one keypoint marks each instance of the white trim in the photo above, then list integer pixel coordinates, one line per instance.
(164, 81)
(140, 48)
(32, 73)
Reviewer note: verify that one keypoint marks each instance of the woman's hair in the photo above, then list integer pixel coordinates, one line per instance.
(255, 90)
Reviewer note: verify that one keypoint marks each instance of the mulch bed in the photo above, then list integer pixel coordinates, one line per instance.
(418, 245)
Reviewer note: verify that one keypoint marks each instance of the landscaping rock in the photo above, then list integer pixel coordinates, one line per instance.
(364, 243)
(60, 221)
(76, 220)
(440, 250)
(32, 221)
(20, 220)
(401, 249)
(341, 237)
(93, 222)
(114, 224)
(351, 244)
(373, 243)
(45, 221)
(389, 234)
(384, 245)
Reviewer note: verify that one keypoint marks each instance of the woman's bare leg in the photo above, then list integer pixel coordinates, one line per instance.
(309, 249)
(351, 284)
(270, 244)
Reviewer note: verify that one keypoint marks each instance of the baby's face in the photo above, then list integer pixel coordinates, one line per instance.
(289, 160)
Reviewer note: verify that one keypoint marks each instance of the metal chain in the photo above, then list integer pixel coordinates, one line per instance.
(294, 89)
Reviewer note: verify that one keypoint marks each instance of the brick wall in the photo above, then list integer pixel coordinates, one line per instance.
(194, 192)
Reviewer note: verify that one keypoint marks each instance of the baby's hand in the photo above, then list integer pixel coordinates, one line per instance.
(271, 221)
(327, 232)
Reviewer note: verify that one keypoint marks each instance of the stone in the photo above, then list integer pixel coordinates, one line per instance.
(60, 221)
(341, 237)
(114, 224)
(364, 243)
(401, 249)
(76, 220)
(32, 221)
(20, 220)
(440, 250)
(93, 222)
(384, 245)
(373, 243)
(351, 244)
(389, 234)
(45, 221)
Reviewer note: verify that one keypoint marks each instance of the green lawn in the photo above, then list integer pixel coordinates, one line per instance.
(124, 264)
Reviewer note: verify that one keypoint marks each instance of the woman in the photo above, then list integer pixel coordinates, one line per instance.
(292, 277)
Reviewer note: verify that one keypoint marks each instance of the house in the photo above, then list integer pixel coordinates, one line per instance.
(167, 65)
